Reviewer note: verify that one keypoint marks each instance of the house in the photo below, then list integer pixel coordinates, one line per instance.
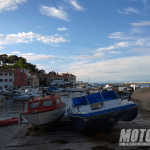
(19, 78)
(6, 79)
(34, 82)
(69, 77)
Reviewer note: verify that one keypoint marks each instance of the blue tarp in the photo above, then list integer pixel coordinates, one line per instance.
(79, 101)
(109, 95)
(94, 98)
(52, 88)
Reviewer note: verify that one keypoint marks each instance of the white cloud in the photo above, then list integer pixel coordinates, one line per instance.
(16, 52)
(121, 69)
(1, 47)
(75, 4)
(34, 57)
(39, 27)
(115, 46)
(62, 29)
(10, 4)
(140, 42)
(28, 37)
(54, 12)
(120, 36)
(129, 10)
(142, 23)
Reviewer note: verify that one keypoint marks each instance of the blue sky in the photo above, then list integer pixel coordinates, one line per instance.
(103, 40)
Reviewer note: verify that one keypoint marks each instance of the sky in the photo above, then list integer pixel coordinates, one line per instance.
(96, 40)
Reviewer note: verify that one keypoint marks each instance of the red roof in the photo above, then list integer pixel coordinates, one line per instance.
(58, 76)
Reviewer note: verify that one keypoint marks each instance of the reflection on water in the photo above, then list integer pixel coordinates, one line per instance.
(12, 108)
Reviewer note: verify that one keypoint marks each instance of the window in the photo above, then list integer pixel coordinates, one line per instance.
(66, 79)
(58, 102)
(10, 74)
(0, 87)
(1, 74)
(47, 103)
(35, 82)
(6, 80)
(5, 74)
(5, 86)
(15, 74)
(10, 80)
(1, 80)
(34, 105)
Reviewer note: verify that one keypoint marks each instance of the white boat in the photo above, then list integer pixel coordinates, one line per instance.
(28, 94)
(101, 111)
(44, 110)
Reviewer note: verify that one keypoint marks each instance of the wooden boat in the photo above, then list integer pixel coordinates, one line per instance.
(44, 110)
(101, 111)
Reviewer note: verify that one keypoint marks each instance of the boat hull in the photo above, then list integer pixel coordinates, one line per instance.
(103, 122)
(45, 118)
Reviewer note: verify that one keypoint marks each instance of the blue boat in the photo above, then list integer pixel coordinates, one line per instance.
(101, 111)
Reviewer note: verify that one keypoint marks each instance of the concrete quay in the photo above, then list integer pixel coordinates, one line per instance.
(65, 136)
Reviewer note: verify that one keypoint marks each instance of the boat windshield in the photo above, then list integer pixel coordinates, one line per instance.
(109, 95)
(94, 98)
(79, 101)
(34, 105)
(47, 103)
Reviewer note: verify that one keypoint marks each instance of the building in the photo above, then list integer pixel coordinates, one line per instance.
(69, 77)
(6, 79)
(19, 78)
(34, 82)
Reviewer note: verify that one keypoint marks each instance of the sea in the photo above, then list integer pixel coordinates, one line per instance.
(12, 108)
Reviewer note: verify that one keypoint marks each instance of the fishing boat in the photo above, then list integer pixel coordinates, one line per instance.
(44, 110)
(101, 111)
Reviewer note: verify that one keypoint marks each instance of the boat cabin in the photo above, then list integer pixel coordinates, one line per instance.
(95, 101)
(47, 103)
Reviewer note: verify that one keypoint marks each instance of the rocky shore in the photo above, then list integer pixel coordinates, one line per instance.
(142, 98)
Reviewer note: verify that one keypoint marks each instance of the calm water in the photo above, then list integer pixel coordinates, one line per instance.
(12, 108)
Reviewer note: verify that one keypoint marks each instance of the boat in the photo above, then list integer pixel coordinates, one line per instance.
(23, 97)
(8, 121)
(101, 111)
(44, 110)
(28, 94)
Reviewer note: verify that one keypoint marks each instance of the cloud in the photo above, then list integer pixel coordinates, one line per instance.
(75, 4)
(115, 46)
(114, 70)
(28, 37)
(34, 57)
(62, 29)
(129, 10)
(1, 47)
(16, 52)
(143, 50)
(120, 36)
(54, 12)
(142, 23)
(145, 2)
(10, 4)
